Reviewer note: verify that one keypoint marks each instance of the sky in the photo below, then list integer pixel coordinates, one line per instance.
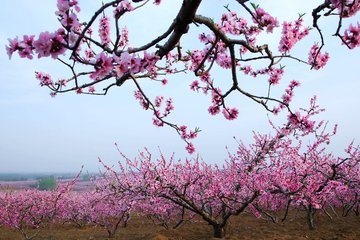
(43, 134)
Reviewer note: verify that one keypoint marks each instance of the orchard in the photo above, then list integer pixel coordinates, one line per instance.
(289, 168)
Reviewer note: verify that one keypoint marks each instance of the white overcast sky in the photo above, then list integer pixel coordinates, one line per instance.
(43, 134)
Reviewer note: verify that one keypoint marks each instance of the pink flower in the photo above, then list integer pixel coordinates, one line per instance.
(316, 59)
(138, 95)
(103, 66)
(124, 6)
(149, 61)
(216, 97)
(79, 91)
(291, 34)
(70, 21)
(44, 78)
(286, 98)
(205, 38)
(169, 106)
(224, 61)
(157, 2)
(205, 77)
(104, 30)
(62, 82)
(230, 113)
(352, 36)
(294, 118)
(213, 110)
(294, 83)
(158, 101)
(196, 57)
(164, 81)
(89, 54)
(24, 47)
(157, 122)
(192, 134)
(13, 46)
(50, 44)
(124, 40)
(91, 89)
(276, 75)
(63, 6)
(195, 86)
(266, 20)
(246, 69)
(190, 148)
(233, 24)
(135, 64)
(276, 110)
(123, 64)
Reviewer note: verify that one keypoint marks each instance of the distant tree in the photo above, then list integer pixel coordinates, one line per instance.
(46, 183)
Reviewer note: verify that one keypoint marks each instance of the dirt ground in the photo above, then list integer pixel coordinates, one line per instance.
(243, 227)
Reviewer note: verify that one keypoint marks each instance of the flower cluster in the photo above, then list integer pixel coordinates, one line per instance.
(124, 6)
(230, 113)
(196, 58)
(289, 93)
(47, 45)
(190, 148)
(24, 47)
(65, 6)
(50, 44)
(104, 30)
(44, 78)
(185, 135)
(133, 64)
(140, 97)
(231, 23)
(67, 16)
(352, 36)
(316, 59)
(158, 119)
(291, 34)
(265, 20)
(188, 135)
(275, 75)
(103, 66)
(216, 100)
(124, 40)
(195, 86)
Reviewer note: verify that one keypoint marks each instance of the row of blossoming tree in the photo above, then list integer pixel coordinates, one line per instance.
(276, 172)
(270, 176)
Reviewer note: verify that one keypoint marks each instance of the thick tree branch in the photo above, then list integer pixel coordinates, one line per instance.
(183, 19)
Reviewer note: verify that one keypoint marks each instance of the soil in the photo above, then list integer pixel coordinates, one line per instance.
(243, 227)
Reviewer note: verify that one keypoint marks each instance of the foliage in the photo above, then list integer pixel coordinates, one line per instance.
(46, 183)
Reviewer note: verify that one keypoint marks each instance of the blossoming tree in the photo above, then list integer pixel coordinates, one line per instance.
(274, 172)
(100, 55)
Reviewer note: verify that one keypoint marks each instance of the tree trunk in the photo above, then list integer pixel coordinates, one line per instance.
(219, 231)
(111, 234)
(310, 217)
(357, 211)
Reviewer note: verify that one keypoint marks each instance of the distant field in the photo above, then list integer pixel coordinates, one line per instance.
(33, 176)
(80, 185)
(245, 227)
